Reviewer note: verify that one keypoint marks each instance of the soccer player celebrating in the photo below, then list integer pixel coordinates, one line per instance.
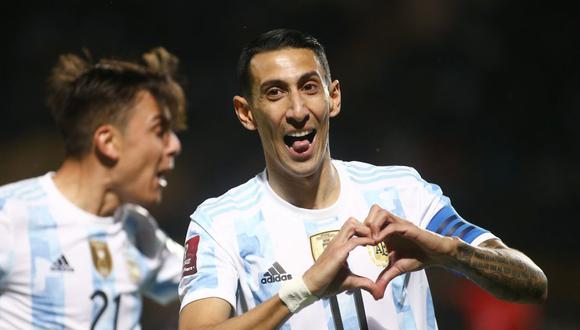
(293, 246)
(76, 249)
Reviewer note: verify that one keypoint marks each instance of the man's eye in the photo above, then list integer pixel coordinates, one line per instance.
(274, 93)
(310, 87)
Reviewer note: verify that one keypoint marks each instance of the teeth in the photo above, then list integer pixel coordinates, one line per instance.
(299, 133)
(162, 182)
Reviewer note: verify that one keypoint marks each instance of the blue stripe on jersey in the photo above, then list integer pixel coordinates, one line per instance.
(255, 247)
(387, 198)
(364, 169)
(348, 311)
(104, 307)
(206, 251)
(329, 320)
(235, 196)
(431, 321)
(285, 326)
(47, 287)
(2, 203)
(368, 173)
(239, 208)
(33, 195)
(399, 292)
(234, 205)
(381, 176)
(448, 223)
(21, 188)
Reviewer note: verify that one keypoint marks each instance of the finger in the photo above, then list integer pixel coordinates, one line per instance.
(354, 281)
(393, 228)
(377, 290)
(355, 241)
(386, 276)
(377, 219)
(362, 230)
(350, 227)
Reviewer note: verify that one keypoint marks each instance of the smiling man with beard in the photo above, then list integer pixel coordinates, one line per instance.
(77, 249)
(294, 246)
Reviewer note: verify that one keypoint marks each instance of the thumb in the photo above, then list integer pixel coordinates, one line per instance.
(384, 278)
(360, 282)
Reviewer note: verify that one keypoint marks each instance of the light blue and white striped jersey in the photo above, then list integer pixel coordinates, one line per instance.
(243, 245)
(63, 268)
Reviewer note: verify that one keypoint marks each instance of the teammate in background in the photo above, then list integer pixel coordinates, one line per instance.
(293, 246)
(76, 249)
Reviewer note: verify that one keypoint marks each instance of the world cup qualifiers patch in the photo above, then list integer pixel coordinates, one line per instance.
(190, 258)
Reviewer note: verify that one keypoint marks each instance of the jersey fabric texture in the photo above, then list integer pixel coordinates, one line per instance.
(242, 246)
(64, 268)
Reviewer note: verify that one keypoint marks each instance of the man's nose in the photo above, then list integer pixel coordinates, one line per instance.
(173, 145)
(297, 113)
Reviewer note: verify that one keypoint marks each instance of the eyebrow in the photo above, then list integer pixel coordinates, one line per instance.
(278, 82)
(161, 120)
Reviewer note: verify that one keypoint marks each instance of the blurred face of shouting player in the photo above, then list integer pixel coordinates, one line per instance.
(147, 148)
(291, 106)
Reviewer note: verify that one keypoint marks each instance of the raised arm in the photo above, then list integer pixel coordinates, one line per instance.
(328, 276)
(506, 273)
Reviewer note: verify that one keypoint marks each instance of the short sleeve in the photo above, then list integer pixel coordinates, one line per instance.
(440, 216)
(163, 255)
(208, 269)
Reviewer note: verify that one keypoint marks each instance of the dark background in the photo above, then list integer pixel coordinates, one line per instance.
(481, 97)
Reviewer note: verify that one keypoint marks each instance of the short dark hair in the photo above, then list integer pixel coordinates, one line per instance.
(83, 95)
(275, 40)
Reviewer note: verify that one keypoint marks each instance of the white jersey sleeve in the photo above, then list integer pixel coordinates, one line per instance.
(440, 217)
(162, 253)
(208, 269)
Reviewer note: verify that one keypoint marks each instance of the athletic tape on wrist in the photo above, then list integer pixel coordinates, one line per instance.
(296, 295)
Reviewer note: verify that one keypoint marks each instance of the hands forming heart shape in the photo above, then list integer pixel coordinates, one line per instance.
(409, 247)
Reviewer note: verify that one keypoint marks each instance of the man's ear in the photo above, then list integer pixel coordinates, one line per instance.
(244, 113)
(335, 98)
(106, 141)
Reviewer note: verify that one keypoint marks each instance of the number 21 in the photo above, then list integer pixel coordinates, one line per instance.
(105, 302)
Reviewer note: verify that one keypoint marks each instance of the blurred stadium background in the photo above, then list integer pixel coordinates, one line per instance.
(481, 97)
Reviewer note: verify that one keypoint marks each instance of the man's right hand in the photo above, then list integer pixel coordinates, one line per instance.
(330, 274)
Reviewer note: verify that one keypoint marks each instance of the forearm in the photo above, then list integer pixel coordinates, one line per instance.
(506, 273)
(268, 315)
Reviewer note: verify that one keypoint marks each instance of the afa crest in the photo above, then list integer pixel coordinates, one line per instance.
(379, 254)
(318, 242)
(101, 257)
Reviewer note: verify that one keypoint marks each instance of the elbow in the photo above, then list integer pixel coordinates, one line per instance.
(534, 291)
(538, 292)
(543, 296)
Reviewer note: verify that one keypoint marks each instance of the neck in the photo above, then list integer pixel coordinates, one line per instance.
(84, 184)
(316, 191)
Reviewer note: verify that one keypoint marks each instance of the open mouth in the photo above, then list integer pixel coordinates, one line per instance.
(161, 179)
(298, 138)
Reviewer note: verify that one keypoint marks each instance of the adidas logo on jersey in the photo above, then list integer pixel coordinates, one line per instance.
(275, 274)
(61, 265)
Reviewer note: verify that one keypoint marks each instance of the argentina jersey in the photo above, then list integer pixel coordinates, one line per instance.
(242, 246)
(63, 268)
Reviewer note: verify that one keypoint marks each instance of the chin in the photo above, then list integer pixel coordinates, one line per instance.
(150, 201)
(303, 170)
